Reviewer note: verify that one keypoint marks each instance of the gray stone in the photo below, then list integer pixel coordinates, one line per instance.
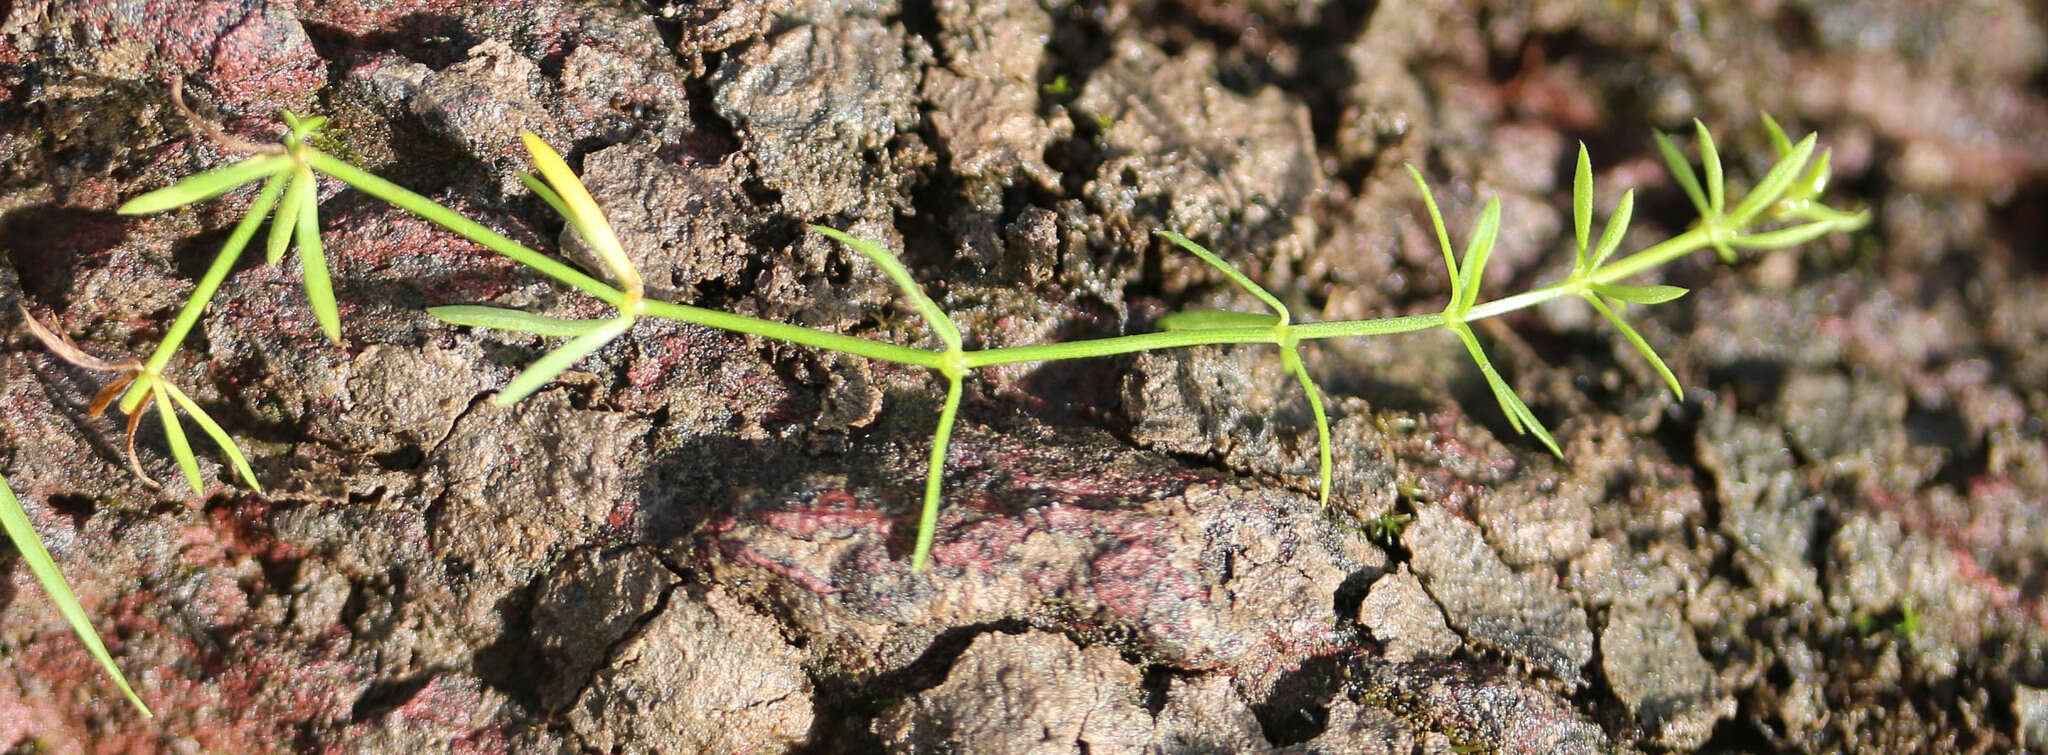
(704, 675)
(814, 104)
(1765, 510)
(1206, 715)
(1356, 729)
(1029, 693)
(2030, 706)
(679, 223)
(483, 103)
(1405, 619)
(1521, 614)
(1653, 662)
(592, 601)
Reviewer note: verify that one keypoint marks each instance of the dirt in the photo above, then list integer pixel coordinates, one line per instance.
(1836, 540)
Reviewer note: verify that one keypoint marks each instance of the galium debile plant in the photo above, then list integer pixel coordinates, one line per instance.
(1593, 278)
(1786, 194)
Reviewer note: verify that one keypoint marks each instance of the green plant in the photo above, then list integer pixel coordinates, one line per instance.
(30, 545)
(1785, 195)
(140, 385)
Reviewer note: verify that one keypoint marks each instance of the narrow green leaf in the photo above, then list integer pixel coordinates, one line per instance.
(1639, 294)
(554, 363)
(1774, 183)
(1780, 145)
(1235, 276)
(1477, 249)
(1785, 237)
(1443, 237)
(205, 185)
(1210, 319)
(313, 262)
(23, 533)
(496, 318)
(213, 430)
(1519, 416)
(1681, 170)
(540, 189)
(940, 323)
(303, 128)
(1617, 226)
(1815, 180)
(1641, 345)
(1842, 221)
(181, 448)
(1582, 207)
(287, 218)
(935, 476)
(1710, 160)
(1290, 357)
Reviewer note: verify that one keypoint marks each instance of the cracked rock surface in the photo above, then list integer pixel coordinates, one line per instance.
(1836, 540)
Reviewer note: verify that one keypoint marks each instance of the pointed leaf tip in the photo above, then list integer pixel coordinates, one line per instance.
(1582, 204)
(1478, 249)
(23, 534)
(940, 322)
(1436, 220)
(1518, 414)
(1682, 172)
(181, 447)
(1639, 294)
(1617, 226)
(213, 430)
(1239, 278)
(583, 212)
(205, 185)
(554, 363)
(1779, 144)
(1642, 346)
(1710, 162)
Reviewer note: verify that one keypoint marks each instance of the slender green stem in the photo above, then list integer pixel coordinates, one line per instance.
(1380, 327)
(469, 229)
(935, 475)
(1522, 300)
(1657, 255)
(887, 352)
(202, 294)
(1102, 347)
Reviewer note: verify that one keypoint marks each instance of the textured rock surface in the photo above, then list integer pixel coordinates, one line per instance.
(1516, 613)
(702, 676)
(1836, 541)
(1653, 662)
(1405, 619)
(1090, 703)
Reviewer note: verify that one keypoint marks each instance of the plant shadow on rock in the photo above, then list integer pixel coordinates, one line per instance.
(48, 242)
